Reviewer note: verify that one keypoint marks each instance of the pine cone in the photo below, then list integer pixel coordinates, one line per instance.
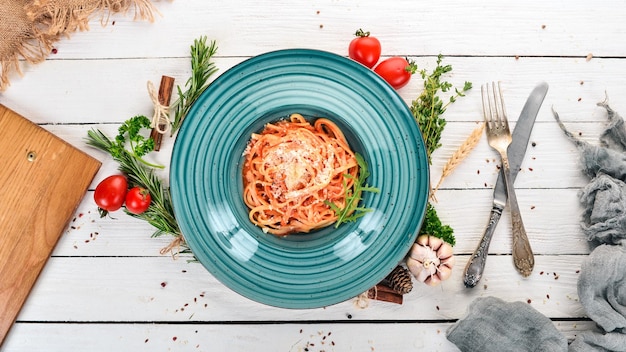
(400, 280)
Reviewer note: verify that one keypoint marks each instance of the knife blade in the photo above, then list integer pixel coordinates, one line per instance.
(516, 151)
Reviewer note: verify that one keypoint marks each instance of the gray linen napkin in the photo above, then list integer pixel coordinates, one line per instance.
(602, 292)
(492, 324)
(602, 280)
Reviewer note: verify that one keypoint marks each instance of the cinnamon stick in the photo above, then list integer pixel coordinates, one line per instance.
(384, 293)
(165, 95)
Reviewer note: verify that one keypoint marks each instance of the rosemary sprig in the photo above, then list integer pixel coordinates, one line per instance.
(428, 107)
(202, 68)
(352, 211)
(160, 214)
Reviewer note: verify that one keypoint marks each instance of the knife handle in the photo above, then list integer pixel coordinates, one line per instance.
(476, 265)
(523, 257)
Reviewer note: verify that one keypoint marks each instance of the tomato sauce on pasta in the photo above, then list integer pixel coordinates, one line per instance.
(291, 168)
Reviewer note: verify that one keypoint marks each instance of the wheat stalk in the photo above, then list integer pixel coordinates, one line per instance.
(459, 155)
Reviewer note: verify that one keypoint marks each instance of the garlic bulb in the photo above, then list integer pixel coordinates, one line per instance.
(430, 260)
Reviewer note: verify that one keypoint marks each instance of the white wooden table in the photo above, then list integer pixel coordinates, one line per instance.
(107, 288)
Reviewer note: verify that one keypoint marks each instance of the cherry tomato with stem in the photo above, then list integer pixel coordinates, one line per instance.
(110, 194)
(138, 200)
(364, 49)
(397, 71)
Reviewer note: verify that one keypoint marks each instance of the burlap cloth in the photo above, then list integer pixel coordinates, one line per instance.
(29, 28)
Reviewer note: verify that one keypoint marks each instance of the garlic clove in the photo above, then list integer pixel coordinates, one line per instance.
(420, 271)
(433, 280)
(444, 272)
(445, 251)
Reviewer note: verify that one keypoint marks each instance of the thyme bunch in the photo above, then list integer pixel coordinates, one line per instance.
(429, 106)
(202, 68)
(428, 109)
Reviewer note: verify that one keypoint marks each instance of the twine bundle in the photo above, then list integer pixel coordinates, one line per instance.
(29, 28)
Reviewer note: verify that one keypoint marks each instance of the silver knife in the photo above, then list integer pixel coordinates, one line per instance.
(516, 151)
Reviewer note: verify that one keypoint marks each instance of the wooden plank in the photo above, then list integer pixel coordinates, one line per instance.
(95, 83)
(243, 28)
(132, 289)
(43, 180)
(289, 337)
(466, 211)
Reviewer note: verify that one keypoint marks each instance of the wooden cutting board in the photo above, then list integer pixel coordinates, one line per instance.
(42, 181)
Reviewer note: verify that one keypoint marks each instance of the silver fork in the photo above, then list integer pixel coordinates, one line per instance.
(499, 137)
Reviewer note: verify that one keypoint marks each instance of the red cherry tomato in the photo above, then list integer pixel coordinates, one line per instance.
(110, 193)
(396, 71)
(364, 49)
(138, 200)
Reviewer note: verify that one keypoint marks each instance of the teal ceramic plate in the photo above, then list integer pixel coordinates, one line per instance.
(327, 266)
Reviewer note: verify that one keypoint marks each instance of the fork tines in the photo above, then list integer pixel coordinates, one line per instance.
(493, 104)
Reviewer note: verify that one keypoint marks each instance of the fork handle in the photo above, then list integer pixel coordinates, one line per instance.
(522, 253)
(476, 265)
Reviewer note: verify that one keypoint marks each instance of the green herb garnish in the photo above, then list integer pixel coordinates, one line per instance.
(433, 226)
(352, 211)
(130, 131)
(160, 214)
(202, 68)
(428, 107)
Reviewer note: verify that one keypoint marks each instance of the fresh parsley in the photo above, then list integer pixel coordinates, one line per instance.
(130, 133)
(433, 226)
(352, 211)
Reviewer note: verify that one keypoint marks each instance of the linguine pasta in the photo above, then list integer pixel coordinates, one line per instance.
(291, 169)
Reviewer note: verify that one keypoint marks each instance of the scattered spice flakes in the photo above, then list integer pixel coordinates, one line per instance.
(113, 23)
(321, 26)
(589, 57)
(484, 286)
(163, 284)
(556, 276)
(541, 273)
(548, 296)
(530, 169)
(437, 307)
(582, 82)
(543, 26)
(516, 57)
(529, 301)
(532, 207)
(318, 12)
(577, 271)
(534, 144)
(485, 184)
(55, 51)
(579, 99)
(174, 338)
(146, 341)
(349, 316)
(478, 172)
